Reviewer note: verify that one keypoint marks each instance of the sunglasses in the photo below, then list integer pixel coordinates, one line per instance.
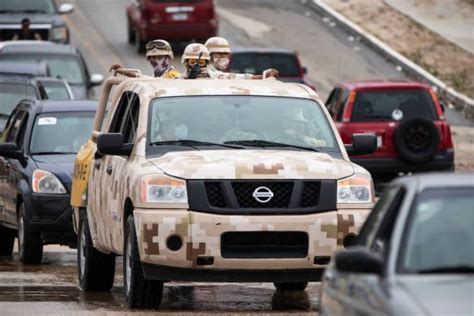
(192, 62)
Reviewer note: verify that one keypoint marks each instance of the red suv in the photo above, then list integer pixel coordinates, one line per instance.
(182, 20)
(412, 133)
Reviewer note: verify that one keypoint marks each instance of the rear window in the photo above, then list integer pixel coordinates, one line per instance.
(380, 105)
(27, 6)
(286, 64)
(178, 1)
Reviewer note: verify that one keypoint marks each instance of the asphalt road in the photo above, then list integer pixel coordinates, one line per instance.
(99, 29)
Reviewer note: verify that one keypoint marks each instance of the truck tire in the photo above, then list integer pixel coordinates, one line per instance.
(131, 33)
(30, 245)
(139, 293)
(7, 239)
(96, 270)
(417, 140)
(290, 286)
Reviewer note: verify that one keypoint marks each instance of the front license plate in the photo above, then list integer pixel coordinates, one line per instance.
(379, 142)
(179, 17)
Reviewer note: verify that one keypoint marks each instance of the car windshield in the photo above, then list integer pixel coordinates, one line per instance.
(11, 94)
(440, 235)
(253, 63)
(387, 104)
(60, 66)
(27, 6)
(60, 133)
(56, 90)
(254, 121)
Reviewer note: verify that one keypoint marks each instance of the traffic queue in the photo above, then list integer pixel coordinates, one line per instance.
(218, 175)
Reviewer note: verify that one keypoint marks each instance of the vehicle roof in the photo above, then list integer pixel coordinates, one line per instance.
(27, 69)
(10, 47)
(180, 87)
(439, 180)
(50, 106)
(384, 83)
(260, 50)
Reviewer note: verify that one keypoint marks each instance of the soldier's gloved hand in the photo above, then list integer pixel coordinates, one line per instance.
(270, 73)
(114, 67)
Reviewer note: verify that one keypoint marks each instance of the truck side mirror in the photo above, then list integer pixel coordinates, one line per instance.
(362, 144)
(112, 144)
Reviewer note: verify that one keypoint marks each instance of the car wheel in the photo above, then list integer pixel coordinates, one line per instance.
(131, 33)
(30, 245)
(96, 269)
(290, 286)
(139, 293)
(7, 239)
(139, 43)
(417, 140)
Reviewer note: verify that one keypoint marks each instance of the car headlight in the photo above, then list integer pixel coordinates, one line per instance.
(162, 189)
(46, 182)
(58, 34)
(356, 189)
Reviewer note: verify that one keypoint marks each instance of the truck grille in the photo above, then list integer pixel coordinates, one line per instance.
(261, 245)
(242, 196)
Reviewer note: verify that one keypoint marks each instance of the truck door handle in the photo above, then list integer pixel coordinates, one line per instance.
(109, 170)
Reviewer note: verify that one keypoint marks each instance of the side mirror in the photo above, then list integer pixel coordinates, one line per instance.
(305, 70)
(65, 8)
(359, 260)
(10, 150)
(362, 144)
(96, 79)
(112, 144)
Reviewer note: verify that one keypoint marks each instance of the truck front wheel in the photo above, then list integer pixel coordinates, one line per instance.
(139, 293)
(290, 286)
(96, 269)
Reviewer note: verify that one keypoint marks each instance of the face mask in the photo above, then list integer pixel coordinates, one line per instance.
(221, 63)
(161, 66)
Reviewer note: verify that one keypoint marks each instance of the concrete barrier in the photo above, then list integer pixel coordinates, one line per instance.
(460, 101)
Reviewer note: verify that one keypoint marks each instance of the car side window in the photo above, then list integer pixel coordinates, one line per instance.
(119, 114)
(371, 226)
(332, 101)
(129, 129)
(13, 133)
(341, 105)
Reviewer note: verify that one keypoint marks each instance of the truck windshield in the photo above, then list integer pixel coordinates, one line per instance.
(60, 133)
(27, 6)
(255, 121)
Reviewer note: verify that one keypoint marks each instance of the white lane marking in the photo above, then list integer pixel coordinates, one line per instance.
(253, 28)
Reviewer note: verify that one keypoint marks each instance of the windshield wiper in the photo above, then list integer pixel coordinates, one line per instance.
(192, 143)
(266, 143)
(54, 153)
(449, 269)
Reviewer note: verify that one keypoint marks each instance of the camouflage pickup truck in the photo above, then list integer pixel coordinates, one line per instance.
(216, 181)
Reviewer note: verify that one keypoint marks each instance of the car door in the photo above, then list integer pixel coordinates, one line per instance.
(4, 162)
(14, 168)
(99, 189)
(366, 294)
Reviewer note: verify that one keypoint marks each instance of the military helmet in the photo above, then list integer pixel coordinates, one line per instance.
(159, 48)
(218, 45)
(192, 51)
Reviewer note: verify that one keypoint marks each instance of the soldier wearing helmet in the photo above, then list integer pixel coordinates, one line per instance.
(160, 55)
(196, 60)
(220, 51)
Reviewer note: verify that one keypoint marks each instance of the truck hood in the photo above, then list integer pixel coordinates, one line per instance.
(13, 18)
(252, 164)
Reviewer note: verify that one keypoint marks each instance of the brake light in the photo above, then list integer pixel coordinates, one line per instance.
(439, 108)
(346, 116)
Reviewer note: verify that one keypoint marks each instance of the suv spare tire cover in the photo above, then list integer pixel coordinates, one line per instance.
(417, 140)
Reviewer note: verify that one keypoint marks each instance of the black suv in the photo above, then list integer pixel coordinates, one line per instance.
(44, 16)
(37, 152)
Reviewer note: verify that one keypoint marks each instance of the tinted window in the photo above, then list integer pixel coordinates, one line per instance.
(440, 234)
(26, 6)
(10, 95)
(221, 119)
(61, 66)
(342, 105)
(252, 63)
(379, 105)
(56, 90)
(14, 131)
(60, 132)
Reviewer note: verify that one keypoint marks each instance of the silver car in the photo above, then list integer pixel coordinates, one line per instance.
(414, 254)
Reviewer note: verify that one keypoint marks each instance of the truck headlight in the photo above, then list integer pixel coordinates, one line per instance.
(58, 34)
(46, 182)
(162, 189)
(356, 189)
